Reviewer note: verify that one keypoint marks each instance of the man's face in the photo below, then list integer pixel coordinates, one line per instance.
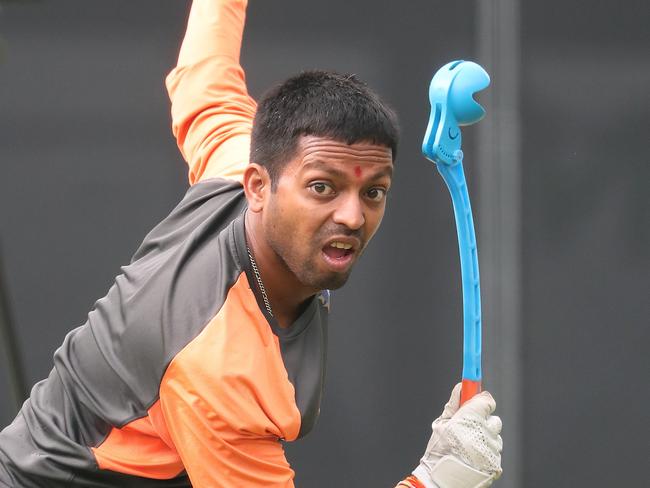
(328, 203)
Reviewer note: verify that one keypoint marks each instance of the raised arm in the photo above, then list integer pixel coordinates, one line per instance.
(212, 113)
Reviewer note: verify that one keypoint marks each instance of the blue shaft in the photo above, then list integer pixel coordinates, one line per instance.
(454, 177)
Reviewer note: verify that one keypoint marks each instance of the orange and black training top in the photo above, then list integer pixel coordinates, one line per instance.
(180, 377)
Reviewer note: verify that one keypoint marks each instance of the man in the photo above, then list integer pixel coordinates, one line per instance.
(209, 349)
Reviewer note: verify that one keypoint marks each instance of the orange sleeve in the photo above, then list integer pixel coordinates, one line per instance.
(227, 401)
(212, 112)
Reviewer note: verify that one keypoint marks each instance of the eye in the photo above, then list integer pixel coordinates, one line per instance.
(321, 188)
(376, 194)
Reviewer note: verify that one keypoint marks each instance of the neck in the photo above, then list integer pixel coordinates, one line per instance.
(286, 294)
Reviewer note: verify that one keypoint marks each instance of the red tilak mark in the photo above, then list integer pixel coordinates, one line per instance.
(357, 171)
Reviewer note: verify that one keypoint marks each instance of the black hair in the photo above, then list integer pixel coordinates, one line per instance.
(323, 104)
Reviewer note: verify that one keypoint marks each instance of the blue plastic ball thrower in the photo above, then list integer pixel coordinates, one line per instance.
(452, 106)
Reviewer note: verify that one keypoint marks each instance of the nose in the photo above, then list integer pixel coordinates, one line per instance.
(350, 212)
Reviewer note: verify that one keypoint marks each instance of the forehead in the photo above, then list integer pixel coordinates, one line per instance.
(320, 152)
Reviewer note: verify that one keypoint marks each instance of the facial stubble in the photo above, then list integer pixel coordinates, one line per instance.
(299, 257)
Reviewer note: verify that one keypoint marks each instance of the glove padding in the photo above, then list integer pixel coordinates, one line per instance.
(465, 447)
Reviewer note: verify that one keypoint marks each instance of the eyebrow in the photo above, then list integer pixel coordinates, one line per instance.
(320, 165)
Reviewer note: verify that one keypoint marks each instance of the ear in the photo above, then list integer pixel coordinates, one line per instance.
(257, 186)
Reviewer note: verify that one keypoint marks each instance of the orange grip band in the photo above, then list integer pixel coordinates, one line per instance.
(470, 388)
(416, 483)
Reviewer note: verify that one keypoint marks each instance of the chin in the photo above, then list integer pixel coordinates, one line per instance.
(329, 281)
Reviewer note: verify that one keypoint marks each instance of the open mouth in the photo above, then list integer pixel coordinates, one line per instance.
(338, 254)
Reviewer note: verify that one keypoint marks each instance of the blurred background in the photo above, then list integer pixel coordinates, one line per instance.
(558, 173)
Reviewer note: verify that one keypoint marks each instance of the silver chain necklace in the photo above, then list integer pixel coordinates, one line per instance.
(256, 271)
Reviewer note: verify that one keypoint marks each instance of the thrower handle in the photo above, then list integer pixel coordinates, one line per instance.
(469, 389)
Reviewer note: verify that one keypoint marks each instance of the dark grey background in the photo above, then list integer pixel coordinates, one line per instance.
(88, 165)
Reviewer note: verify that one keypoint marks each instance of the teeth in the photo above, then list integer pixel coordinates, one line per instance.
(341, 245)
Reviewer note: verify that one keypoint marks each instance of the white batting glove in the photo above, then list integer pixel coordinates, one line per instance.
(465, 447)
